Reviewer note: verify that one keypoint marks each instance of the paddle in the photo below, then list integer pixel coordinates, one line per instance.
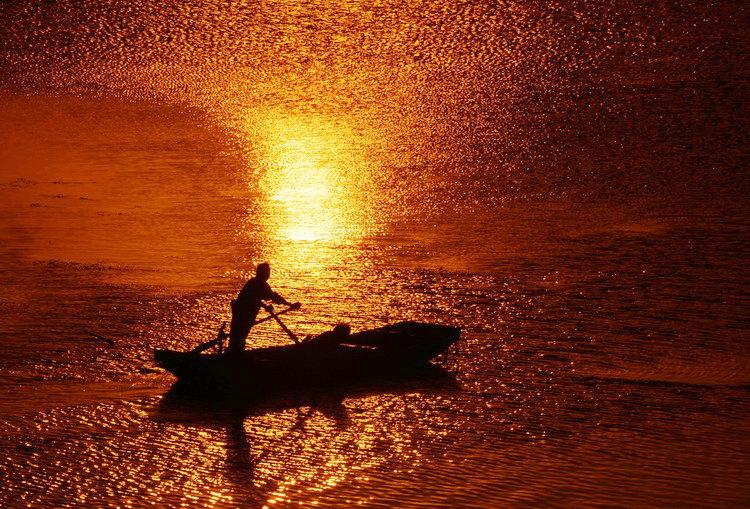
(256, 322)
(275, 316)
(221, 335)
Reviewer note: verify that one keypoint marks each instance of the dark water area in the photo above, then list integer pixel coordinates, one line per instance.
(565, 181)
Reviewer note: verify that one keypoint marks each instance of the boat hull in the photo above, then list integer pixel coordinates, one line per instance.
(387, 350)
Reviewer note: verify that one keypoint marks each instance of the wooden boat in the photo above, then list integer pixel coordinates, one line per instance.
(389, 349)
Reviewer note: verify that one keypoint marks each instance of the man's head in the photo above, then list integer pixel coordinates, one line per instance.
(263, 271)
(342, 330)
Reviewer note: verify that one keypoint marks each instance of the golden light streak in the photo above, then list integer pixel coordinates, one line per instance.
(315, 182)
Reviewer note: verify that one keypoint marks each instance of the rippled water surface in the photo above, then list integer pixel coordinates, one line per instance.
(566, 181)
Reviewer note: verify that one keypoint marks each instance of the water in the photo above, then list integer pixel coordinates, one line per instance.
(564, 181)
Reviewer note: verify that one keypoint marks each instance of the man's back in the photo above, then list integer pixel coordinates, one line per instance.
(254, 291)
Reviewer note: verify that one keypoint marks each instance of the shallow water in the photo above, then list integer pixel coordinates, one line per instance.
(565, 182)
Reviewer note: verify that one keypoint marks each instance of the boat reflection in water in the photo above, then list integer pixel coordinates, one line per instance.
(275, 441)
(186, 401)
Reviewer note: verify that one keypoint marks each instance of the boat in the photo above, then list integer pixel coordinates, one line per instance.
(391, 349)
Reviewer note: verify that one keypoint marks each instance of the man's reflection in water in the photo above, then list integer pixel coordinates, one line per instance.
(242, 462)
(333, 408)
(240, 459)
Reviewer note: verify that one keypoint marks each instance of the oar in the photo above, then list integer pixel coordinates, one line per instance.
(221, 335)
(275, 316)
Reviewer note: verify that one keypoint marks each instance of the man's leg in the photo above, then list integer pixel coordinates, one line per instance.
(239, 328)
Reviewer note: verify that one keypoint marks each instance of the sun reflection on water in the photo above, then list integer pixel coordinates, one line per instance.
(314, 182)
(305, 185)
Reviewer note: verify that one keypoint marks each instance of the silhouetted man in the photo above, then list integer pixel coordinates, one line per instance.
(247, 304)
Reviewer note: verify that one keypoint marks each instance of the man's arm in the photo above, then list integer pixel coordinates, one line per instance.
(278, 299)
(268, 294)
(274, 297)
